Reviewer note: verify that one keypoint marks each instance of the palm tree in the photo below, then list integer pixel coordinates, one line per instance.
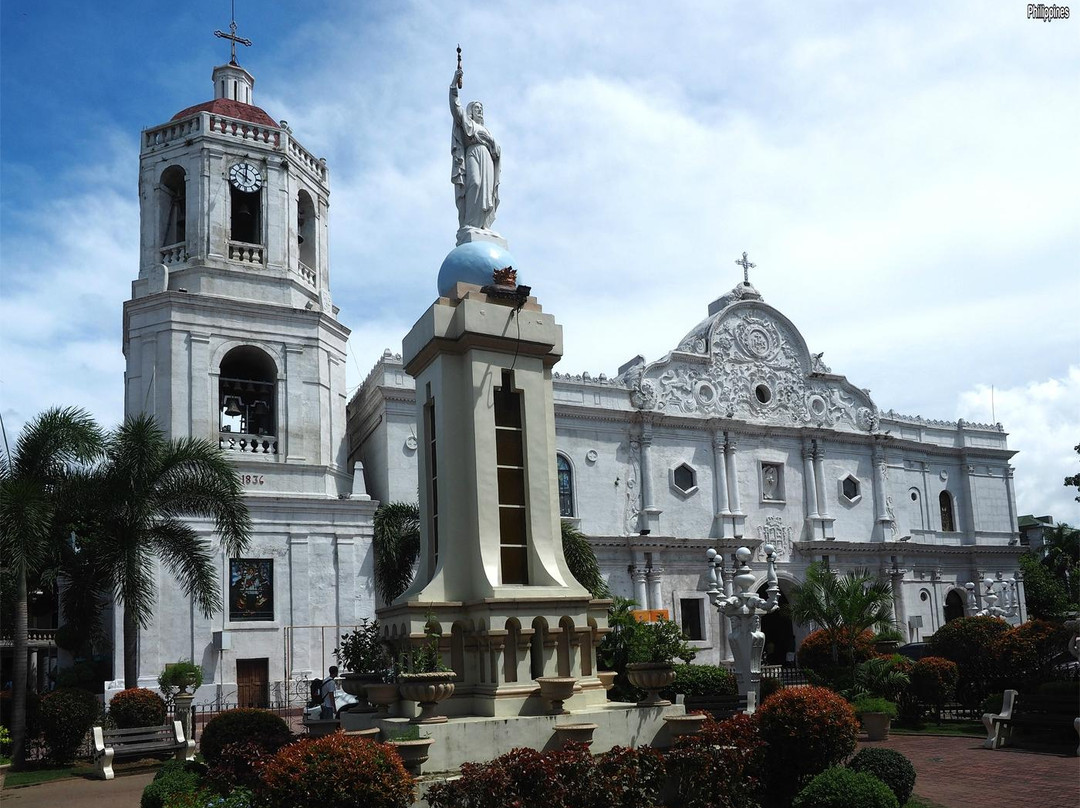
(146, 491)
(31, 487)
(1061, 555)
(844, 606)
(396, 546)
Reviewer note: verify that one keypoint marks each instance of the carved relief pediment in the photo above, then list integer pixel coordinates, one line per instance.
(748, 361)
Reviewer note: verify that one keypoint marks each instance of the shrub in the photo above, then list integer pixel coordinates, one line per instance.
(1026, 652)
(704, 680)
(236, 726)
(873, 704)
(239, 765)
(888, 766)
(336, 771)
(816, 652)
(971, 642)
(807, 730)
(933, 681)
(844, 788)
(174, 779)
(564, 778)
(721, 767)
(628, 778)
(769, 685)
(66, 717)
(137, 707)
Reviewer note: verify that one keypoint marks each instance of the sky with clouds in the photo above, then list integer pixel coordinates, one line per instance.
(904, 176)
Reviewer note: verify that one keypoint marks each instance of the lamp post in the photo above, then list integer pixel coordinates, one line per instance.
(991, 597)
(745, 609)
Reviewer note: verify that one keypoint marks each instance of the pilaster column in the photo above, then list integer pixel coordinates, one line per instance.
(896, 577)
(881, 514)
(1011, 498)
(928, 522)
(819, 480)
(646, 467)
(732, 476)
(638, 574)
(809, 484)
(655, 575)
(720, 483)
(968, 525)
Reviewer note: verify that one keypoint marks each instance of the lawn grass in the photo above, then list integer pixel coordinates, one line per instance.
(32, 777)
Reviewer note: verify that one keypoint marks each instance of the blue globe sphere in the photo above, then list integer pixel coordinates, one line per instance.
(473, 262)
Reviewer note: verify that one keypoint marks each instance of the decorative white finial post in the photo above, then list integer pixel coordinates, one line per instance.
(745, 609)
(991, 597)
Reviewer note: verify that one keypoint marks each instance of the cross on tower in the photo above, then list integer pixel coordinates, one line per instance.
(232, 36)
(744, 262)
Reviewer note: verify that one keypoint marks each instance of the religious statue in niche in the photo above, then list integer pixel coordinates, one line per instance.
(770, 482)
(476, 158)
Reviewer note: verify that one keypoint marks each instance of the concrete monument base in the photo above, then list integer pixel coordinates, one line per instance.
(475, 739)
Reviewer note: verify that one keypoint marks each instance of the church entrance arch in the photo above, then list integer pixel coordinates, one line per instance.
(779, 631)
(954, 606)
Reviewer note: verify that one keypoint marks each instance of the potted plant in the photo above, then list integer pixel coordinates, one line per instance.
(425, 679)
(652, 647)
(177, 677)
(411, 747)
(887, 640)
(876, 715)
(363, 657)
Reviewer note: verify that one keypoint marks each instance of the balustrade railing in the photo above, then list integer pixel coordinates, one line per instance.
(246, 253)
(34, 636)
(174, 130)
(245, 130)
(302, 155)
(251, 444)
(174, 253)
(306, 272)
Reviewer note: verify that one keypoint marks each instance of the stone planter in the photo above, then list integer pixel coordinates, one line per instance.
(651, 677)
(579, 733)
(876, 725)
(371, 733)
(383, 695)
(556, 689)
(355, 684)
(427, 689)
(607, 678)
(685, 724)
(886, 646)
(413, 753)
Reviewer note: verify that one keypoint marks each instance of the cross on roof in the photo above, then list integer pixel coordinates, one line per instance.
(744, 262)
(232, 36)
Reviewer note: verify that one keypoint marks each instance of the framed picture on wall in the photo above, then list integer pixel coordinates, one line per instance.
(251, 589)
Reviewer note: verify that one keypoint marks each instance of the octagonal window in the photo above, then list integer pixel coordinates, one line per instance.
(684, 478)
(851, 489)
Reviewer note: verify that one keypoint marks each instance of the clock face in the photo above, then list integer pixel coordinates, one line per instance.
(245, 177)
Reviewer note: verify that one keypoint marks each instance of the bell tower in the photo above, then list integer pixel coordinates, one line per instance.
(230, 333)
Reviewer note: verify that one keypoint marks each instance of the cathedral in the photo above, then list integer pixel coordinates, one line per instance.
(739, 436)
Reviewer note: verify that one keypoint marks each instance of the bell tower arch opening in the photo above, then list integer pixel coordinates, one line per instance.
(305, 231)
(247, 387)
(172, 204)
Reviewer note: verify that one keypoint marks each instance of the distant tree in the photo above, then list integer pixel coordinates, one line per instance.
(1073, 480)
(33, 481)
(1046, 597)
(1061, 555)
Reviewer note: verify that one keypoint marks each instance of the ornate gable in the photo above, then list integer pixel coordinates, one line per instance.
(748, 361)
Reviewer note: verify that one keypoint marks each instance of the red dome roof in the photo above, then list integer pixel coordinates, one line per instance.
(230, 109)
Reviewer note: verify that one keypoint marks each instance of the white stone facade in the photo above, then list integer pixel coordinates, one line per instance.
(231, 336)
(742, 436)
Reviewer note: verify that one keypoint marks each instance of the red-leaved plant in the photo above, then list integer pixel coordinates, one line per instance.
(137, 707)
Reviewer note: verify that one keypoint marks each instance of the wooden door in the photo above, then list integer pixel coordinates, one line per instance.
(253, 682)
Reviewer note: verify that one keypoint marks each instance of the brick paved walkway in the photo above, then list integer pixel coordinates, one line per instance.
(958, 772)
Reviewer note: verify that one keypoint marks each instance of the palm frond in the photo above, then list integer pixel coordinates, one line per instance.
(582, 562)
(396, 546)
(188, 558)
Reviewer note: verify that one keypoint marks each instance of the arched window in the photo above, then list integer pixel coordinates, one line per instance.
(173, 207)
(305, 232)
(954, 606)
(246, 401)
(566, 486)
(948, 521)
(245, 219)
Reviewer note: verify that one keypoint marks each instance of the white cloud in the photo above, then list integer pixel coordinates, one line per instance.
(1043, 422)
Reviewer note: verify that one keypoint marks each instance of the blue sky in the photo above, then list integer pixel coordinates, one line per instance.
(904, 175)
